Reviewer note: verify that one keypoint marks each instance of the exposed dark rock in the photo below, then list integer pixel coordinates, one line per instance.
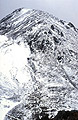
(71, 25)
(67, 27)
(55, 40)
(62, 34)
(52, 27)
(62, 115)
(50, 32)
(67, 115)
(45, 32)
(62, 22)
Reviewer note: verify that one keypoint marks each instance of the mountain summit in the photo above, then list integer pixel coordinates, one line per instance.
(38, 65)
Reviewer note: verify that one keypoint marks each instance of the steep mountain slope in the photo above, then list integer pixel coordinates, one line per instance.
(38, 65)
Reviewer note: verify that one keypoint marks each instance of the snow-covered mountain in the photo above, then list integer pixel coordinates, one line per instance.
(38, 65)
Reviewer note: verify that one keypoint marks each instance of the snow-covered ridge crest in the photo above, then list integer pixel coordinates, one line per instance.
(23, 12)
(38, 64)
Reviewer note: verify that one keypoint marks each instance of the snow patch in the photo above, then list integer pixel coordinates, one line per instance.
(5, 106)
(14, 61)
(25, 10)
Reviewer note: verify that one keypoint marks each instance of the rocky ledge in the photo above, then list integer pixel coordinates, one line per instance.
(63, 115)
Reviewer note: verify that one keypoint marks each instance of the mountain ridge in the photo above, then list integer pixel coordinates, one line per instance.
(39, 53)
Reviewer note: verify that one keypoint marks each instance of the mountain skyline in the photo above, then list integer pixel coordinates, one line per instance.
(38, 65)
(63, 9)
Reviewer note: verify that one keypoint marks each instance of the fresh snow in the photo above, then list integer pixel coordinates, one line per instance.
(5, 106)
(15, 60)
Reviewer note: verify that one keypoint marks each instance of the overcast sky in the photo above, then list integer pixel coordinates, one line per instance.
(63, 9)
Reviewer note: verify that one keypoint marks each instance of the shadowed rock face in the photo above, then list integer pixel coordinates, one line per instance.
(67, 115)
(39, 65)
(63, 115)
